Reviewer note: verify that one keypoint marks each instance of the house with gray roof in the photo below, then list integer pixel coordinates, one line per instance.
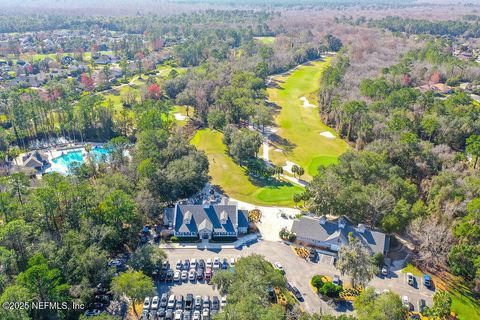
(332, 234)
(206, 221)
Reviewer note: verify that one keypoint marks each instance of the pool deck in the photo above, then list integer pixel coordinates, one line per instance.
(56, 152)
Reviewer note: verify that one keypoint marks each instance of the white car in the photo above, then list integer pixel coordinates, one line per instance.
(232, 262)
(92, 313)
(385, 271)
(406, 302)
(410, 279)
(179, 265)
(193, 264)
(205, 313)
(192, 275)
(154, 305)
(336, 280)
(171, 302)
(277, 265)
(146, 303)
(223, 301)
(176, 275)
(178, 314)
(216, 263)
(196, 315)
(184, 275)
(208, 264)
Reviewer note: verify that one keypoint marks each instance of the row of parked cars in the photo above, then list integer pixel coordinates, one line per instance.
(101, 301)
(193, 270)
(171, 307)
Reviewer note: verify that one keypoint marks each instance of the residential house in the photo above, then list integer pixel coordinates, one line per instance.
(442, 88)
(35, 160)
(332, 234)
(206, 221)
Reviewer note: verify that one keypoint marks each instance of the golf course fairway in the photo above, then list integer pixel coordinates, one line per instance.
(234, 180)
(304, 139)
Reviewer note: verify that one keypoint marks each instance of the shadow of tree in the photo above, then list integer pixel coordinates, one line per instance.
(281, 143)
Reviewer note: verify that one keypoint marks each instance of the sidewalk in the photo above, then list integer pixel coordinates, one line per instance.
(244, 240)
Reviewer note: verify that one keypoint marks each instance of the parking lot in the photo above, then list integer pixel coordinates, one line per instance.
(299, 272)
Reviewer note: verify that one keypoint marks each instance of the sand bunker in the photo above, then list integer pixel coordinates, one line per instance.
(306, 103)
(327, 134)
(179, 117)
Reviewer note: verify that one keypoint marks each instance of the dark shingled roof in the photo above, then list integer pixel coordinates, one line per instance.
(205, 217)
(309, 227)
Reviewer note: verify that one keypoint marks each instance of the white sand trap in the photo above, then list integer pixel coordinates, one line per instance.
(179, 117)
(306, 103)
(288, 166)
(327, 134)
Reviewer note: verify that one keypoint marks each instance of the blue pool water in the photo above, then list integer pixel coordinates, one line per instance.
(63, 162)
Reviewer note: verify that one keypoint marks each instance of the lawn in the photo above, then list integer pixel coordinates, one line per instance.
(265, 40)
(234, 180)
(300, 126)
(464, 305)
(410, 268)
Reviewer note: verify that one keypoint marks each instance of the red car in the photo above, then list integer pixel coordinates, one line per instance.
(208, 274)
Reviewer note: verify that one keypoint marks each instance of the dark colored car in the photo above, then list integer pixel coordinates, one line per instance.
(199, 274)
(427, 280)
(169, 276)
(161, 313)
(201, 263)
(313, 255)
(187, 315)
(215, 303)
(162, 276)
(169, 314)
(421, 305)
(165, 265)
(189, 302)
(179, 303)
(103, 298)
(186, 265)
(224, 263)
(297, 293)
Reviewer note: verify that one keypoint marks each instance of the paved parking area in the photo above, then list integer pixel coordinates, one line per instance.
(299, 272)
(200, 288)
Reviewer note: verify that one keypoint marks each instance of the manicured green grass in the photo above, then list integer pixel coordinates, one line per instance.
(234, 180)
(183, 111)
(265, 40)
(464, 305)
(300, 126)
(410, 268)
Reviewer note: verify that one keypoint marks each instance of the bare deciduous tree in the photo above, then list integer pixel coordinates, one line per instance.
(432, 240)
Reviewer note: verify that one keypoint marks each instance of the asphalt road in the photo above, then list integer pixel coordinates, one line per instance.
(298, 272)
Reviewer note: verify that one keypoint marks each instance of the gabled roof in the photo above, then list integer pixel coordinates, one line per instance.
(32, 162)
(310, 228)
(206, 217)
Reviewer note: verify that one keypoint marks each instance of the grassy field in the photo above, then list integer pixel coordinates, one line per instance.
(300, 126)
(234, 179)
(464, 305)
(265, 40)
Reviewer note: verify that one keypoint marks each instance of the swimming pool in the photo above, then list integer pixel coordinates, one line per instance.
(63, 162)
